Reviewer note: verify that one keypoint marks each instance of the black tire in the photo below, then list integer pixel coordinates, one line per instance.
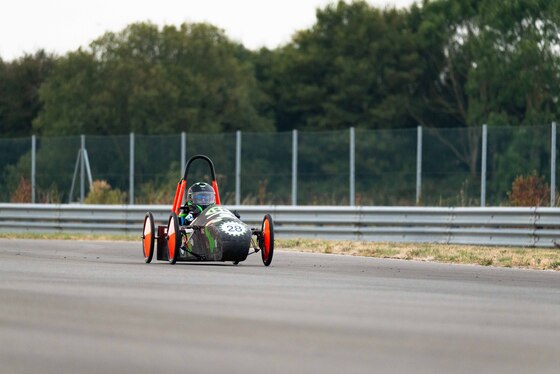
(148, 237)
(173, 238)
(266, 242)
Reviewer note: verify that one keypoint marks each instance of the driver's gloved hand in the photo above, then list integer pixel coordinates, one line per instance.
(186, 220)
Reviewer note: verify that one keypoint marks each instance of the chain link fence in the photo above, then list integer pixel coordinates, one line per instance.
(424, 166)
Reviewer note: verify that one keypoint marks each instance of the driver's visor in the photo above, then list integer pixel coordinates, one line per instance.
(203, 198)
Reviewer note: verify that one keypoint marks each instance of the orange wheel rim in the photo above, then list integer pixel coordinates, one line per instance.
(147, 237)
(266, 235)
(171, 244)
(147, 242)
(171, 239)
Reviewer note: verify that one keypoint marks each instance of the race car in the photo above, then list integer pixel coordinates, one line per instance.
(213, 234)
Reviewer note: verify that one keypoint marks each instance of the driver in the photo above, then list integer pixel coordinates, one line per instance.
(199, 197)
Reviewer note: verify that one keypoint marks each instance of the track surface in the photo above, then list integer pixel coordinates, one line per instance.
(95, 307)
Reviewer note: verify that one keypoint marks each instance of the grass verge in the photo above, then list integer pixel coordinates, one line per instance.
(531, 258)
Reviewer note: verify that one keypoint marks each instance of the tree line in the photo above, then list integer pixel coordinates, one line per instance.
(440, 64)
(446, 63)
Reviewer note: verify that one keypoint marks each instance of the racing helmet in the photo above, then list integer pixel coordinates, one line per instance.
(201, 194)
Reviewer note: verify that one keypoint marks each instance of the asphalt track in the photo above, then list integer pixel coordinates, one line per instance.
(95, 307)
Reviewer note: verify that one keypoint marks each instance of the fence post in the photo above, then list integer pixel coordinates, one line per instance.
(238, 167)
(352, 167)
(294, 165)
(418, 164)
(131, 171)
(183, 150)
(483, 165)
(82, 168)
(553, 165)
(33, 166)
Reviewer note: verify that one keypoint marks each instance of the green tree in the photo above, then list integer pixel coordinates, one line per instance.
(71, 98)
(347, 70)
(19, 85)
(20, 80)
(488, 62)
(148, 80)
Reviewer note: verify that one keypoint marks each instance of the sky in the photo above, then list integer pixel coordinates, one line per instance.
(60, 26)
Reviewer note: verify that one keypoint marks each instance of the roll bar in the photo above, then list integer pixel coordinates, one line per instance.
(200, 157)
(180, 192)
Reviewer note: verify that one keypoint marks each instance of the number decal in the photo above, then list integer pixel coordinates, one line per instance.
(233, 228)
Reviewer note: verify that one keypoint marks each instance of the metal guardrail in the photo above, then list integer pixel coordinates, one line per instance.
(530, 227)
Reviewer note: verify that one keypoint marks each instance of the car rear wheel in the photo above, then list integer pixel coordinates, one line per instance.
(148, 236)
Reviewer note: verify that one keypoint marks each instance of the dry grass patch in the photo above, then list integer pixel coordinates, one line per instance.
(533, 258)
